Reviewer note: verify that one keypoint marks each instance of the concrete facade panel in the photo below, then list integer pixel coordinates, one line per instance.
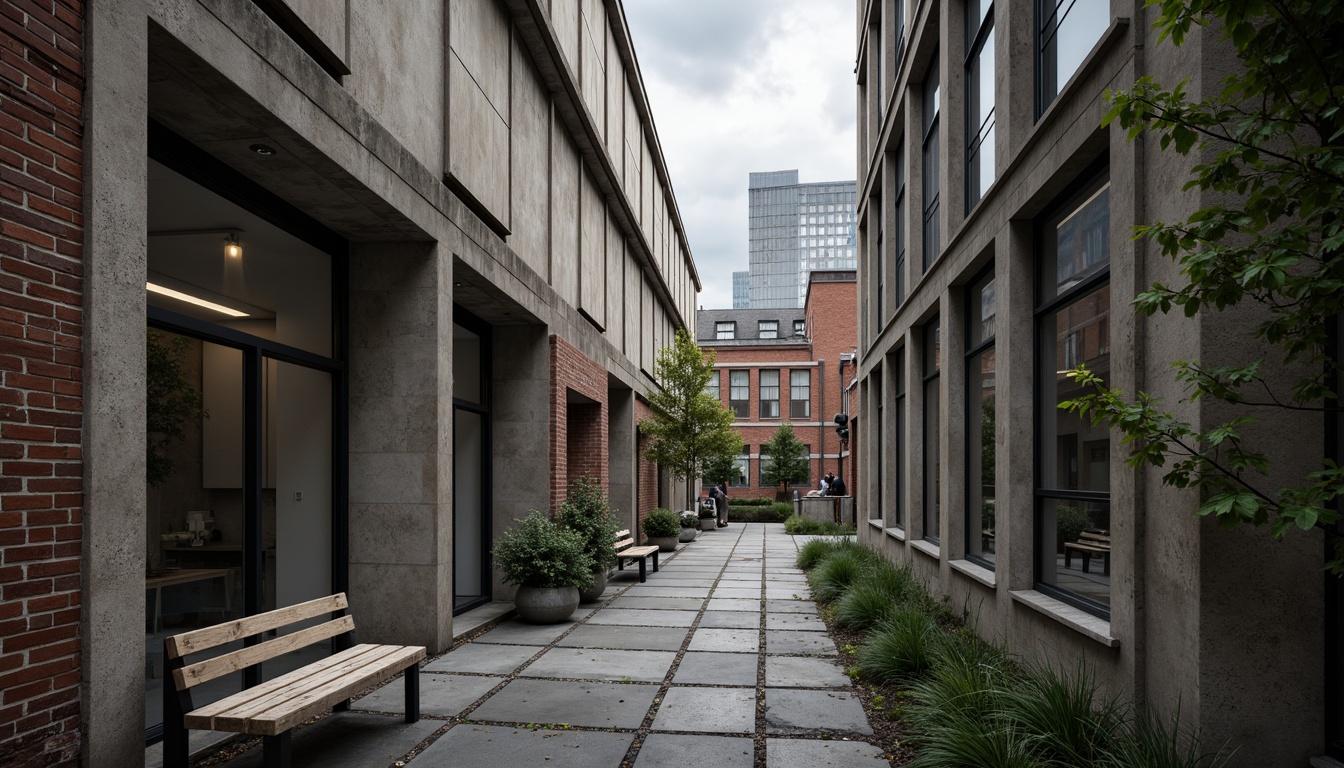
(530, 149)
(593, 253)
(479, 35)
(328, 20)
(565, 190)
(478, 139)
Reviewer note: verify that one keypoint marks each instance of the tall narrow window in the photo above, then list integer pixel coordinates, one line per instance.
(712, 386)
(881, 472)
(932, 430)
(1073, 457)
(881, 271)
(739, 393)
(1066, 32)
(898, 236)
(770, 394)
(898, 24)
(932, 241)
(767, 329)
(897, 519)
(741, 477)
(979, 99)
(981, 451)
(800, 394)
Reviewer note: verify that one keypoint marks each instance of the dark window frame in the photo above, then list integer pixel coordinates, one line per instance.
(725, 325)
(806, 411)
(741, 408)
(972, 355)
(762, 329)
(932, 428)
(932, 172)
(975, 129)
(898, 441)
(762, 400)
(901, 225)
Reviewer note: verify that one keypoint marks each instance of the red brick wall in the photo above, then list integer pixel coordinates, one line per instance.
(578, 431)
(41, 287)
(646, 490)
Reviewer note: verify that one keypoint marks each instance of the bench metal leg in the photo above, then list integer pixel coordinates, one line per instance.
(275, 751)
(642, 574)
(620, 564)
(1087, 558)
(176, 748)
(413, 693)
(341, 706)
(655, 562)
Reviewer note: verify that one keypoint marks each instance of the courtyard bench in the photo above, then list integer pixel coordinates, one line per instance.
(271, 709)
(1090, 543)
(626, 550)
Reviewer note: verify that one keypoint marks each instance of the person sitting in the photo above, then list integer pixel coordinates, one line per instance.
(826, 484)
(837, 487)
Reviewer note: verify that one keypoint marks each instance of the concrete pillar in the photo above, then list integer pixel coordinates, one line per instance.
(401, 346)
(113, 631)
(520, 427)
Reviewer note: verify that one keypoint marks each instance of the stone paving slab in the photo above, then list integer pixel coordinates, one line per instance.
(635, 618)
(440, 695)
(726, 641)
(746, 593)
(715, 710)
(674, 750)
(518, 633)
(552, 702)
(692, 581)
(734, 576)
(788, 592)
(790, 711)
(793, 641)
(631, 638)
(704, 668)
(659, 603)
(649, 590)
(804, 672)
(350, 740)
(789, 606)
(479, 745)
(602, 664)
(794, 621)
(483, 659)
(805, 753)
(730, 619)
(733, 604)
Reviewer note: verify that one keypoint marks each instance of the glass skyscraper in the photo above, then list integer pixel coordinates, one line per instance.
(742, 290)
(793, 229)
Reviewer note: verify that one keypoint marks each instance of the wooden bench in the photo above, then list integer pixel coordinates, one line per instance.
(1090, 543)
(626, 550)
(271, 709)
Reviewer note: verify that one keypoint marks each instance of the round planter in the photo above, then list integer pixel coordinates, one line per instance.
(546, 605)
(591, 594)
(687, 535)
(708, 523)
(664, 543)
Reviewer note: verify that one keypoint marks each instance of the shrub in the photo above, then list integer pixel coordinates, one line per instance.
(689, 520)
(539, 553)
(587, 513)
(802, 526)
(662, 522)
(899, 649)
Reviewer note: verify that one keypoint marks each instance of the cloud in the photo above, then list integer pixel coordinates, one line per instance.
(738, 86)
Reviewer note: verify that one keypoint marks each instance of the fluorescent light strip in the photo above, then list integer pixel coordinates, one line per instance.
(180, 296)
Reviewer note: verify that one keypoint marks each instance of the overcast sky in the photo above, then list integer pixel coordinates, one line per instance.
(738, 86)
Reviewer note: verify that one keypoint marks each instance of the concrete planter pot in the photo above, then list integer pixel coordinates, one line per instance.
(687, 535)
(664, 543)
(708, 523)
(546, 605)
(592, 593)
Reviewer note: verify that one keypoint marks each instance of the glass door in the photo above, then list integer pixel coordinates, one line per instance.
(472, 535)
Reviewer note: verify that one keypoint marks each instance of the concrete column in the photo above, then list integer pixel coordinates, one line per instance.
(1014, 427)
(113, 631)
(621, 454)
(401, 346)
(520, 426)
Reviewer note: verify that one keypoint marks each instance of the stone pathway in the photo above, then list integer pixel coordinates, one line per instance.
(717, 656)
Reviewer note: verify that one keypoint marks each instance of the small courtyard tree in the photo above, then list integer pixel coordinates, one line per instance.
(788, 459)
(689, 426)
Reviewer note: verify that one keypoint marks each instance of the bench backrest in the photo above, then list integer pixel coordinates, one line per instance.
(624, 540)
(1088, 537)
(180, 646)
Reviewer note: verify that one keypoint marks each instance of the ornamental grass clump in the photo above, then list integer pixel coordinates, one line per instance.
(587, 512)
(874, 598)
(837, 572)
(1063, 713)
(900, 649)
(813, 552)
(1145, 741)
(539, 553)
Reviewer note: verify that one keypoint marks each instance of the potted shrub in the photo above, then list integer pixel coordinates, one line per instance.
(548, 563)
(689, 527)
(587, 512)
(661, 527)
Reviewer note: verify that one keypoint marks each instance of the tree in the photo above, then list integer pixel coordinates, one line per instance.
(788, 459)
(689, 427)
(1270, 146)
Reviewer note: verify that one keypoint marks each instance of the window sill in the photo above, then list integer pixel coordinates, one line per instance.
(977, 572)
(1074, 618)
(896, 533)
(875, 523)
(928, 548)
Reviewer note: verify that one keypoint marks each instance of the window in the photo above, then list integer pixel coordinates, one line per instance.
(741, 477)
(1073, 500)
(770, 394)
(898, 240)
(979, 99)
(898, 442)
(712, 386)
(739, 393)
(725, 330)
(981, 449)
(875, 382)
(898, 23)
(932, 243)
(1066, 31)
(800, 394)
(932, 430)
(767, 329)
(800, 328)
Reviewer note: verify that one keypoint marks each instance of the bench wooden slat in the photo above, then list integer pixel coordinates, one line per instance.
(260, 696)
(186, 643)
(620, 545)
(234, 661)
(637, 552)
(335, 688)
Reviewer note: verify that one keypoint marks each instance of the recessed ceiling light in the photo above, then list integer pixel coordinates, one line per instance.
(198, 301)
(263, 149)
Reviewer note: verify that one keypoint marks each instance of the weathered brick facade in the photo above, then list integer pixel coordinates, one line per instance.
(578, 429)
(41, 359)
(646, 490)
